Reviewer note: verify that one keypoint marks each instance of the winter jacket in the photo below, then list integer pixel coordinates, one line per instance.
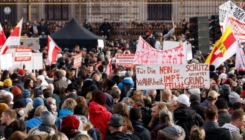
(214, 132)
(166, 136)
(140, 131)
(109, 102)
(44, 135)
(223, 117)
(121, 136)
(198, 108)
(99, 117)
(186, 117)
(205, 103)
(8, 131)
(235, 132)
(125, 86)
(32, 123)
(59, 84)
(63, 113)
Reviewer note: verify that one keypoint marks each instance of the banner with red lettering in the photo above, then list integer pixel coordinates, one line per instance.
(125, 60)
(77, 61)
(145, 54)
(22, 54)
(172, 76)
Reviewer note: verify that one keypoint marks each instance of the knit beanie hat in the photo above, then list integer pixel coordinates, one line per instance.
(26, 93)
(70, 122)
(110, 84)
(47, 118)
(16, 90)
(21, 72)
(19, 104)
(7, 82)
(100, 98)
(234, 97)
(3, 107)
(37, 102)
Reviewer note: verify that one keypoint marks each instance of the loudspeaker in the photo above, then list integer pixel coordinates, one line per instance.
(215, 32)
(199, 33)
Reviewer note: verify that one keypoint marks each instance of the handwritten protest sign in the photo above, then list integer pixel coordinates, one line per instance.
(125, 60)
(77, 61)
(22, 54)
(188, 51)
(172, 76)
(231, 14)
(170, 44)
(145, 54)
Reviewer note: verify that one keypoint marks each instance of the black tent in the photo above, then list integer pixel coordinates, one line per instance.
(73, 34)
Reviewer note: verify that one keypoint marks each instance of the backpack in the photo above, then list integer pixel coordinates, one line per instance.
(218, 133)
(125, 88)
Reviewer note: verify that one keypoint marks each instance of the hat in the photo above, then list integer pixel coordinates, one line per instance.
(71, 86)
(148, 31)
(194, 91)
(21, 72)
(173, 130)
(41, 77)
(122, 74)
(110, 84)
(48, 118)
(26, 93)
(212, 94)
(7, 82)
(72, 96)
(183, 99)
(100, 98)
(226, 90)
(3, 107)
(128, 74)
(234, 97)
(221, 104)
(19, 104)
(194, 61)
(116, 120)
(38, 102)
(14, 76)
(70, 122)
(195, 97)
(16, 90)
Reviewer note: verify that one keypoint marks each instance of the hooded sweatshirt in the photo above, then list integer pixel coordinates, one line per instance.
(235, 132)
(63, 113)
(99, 117)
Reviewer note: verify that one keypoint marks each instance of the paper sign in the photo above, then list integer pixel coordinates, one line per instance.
(22, 54)
(145, 54)
(125, 60)
(37, 61)
(77, 61)
(188, 51)
(101, 43)
(6, 61)
(172, 76)
(170, 44)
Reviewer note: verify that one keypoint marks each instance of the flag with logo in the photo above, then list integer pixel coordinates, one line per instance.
(223, 49)
(240, 58)
(53, 51)
(2, 36)
(13, 39)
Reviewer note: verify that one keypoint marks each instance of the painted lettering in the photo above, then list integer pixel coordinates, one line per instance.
(166, 69)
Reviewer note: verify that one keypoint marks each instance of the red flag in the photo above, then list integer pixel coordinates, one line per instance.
(53, 51)
(2, 36)
(13, 39)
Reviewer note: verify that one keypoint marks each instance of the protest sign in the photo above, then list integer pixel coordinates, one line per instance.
(6, 61)
(172, 76)
(22, 54)
(231, 14)
(188, 48)
(145, 54)
(170, 44)
(125, 60)
(77, 61)
(100, 43)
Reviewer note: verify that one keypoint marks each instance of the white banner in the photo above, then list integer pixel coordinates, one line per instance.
(172, 76)
(231, 14)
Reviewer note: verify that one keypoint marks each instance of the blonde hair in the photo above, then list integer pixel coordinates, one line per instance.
(18, 135)
(38, 110)
(82, 137)
(59, 136)
(50, 100)
(197, 133)
(122, 109)
(160, 106)
(69, 104)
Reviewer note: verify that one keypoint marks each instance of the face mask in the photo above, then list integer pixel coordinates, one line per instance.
(21, 112)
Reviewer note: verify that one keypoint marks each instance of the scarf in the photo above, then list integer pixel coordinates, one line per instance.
(45, 128)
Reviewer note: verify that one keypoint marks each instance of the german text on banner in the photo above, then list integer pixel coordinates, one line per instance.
(233, 15)
(125, 60)
(172, 76)
(145, 54)
(77, 61)
(223, 49)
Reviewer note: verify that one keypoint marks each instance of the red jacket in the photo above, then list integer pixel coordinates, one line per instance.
(99, 117)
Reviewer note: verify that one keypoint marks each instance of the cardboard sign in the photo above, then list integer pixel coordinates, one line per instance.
(22, 54)
(170, 44)
(172, 76)
(145, 54)
(77, 61)
(125, 60)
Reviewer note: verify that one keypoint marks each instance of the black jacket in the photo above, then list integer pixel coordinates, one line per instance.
(105, 27)
(141, 131)
(121, 136)
(8, 131)
(42, 28)
(186, 117)
(198, 108)
(214, 132)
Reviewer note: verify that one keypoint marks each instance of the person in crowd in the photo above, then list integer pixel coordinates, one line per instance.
(43, 29)
(69, 126)
(195, 100)
(59, 136)
(223, 114)
(18, 107)
(126, 84)
(211, 98)
(18, 135)
(18, 125)
(197, 133)
(59, 82)
(7, 118)
(106, 29)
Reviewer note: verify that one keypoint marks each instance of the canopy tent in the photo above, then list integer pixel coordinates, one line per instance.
(73, 34)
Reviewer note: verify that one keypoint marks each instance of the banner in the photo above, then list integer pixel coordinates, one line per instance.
(77, 61)
(145, 54)
(22, 54)
(170, 44)
(125, 60)
(6, 61)
(231, 14)
(172, 76)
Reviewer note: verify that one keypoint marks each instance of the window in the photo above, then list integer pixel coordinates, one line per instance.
(56, 11)
(159, 11)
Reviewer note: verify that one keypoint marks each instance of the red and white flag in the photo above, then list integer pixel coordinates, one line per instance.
(2, 36)
(109, 68)
(242, 5)
(13, 39)
(53, 51)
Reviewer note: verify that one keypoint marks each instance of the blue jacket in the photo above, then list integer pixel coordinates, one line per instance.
(63, 113)
(205, 103)
(127, 80)
(34, 122)
(140, 130)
